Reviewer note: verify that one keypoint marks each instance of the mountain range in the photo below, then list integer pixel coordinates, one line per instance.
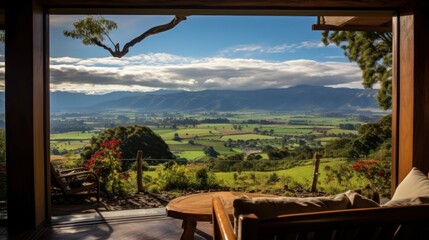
(302, 98)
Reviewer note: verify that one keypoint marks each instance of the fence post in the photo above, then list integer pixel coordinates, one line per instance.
(139, 171)
(316, 159)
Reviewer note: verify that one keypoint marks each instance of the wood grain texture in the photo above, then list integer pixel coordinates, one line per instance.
(25, 117)
(406, 97)
(407, 222)
(198, 207)
(222, 227)
(395, 102)
(413, 82)
(421, 87)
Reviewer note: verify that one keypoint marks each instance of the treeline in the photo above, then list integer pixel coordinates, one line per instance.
(373, 139)
(349, 126)
(62, 126)
(262, 122)
(192, 121)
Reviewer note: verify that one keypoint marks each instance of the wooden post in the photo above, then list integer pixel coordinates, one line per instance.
(139, 171)
(316, 159)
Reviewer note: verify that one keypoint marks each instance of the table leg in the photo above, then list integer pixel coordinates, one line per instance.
(189, 228)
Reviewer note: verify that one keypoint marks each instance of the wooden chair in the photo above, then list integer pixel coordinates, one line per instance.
(393, 223)
(75, 181)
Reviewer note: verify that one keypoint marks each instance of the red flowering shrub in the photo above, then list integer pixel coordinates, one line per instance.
(107, 164)
(377, 173)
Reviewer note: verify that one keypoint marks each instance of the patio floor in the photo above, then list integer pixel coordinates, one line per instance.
(147, 224)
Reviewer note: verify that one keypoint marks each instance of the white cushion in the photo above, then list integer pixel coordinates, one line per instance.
(407, 201)
(415, 184)
(360, 201)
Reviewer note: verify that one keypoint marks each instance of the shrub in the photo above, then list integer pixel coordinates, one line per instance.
(273, 178)
(106, 164)
(154, 188)
(377, 173)
(175, 177)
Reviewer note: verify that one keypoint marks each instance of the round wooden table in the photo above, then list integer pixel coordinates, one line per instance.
(198, 207)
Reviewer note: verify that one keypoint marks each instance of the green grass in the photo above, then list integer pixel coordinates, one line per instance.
(186, 147)
(246, 137)
(188, 133)
(302, 175)
(74, 135)
(69, 145)
(326, 139)
(191, 155)
(338, 131)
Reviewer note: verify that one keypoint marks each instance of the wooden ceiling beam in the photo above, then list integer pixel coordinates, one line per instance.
(352, 28)
(227, 4)
(354, 23)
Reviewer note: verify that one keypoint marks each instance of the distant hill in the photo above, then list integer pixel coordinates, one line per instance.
(61, 101)
(301, 98)
(295, 99)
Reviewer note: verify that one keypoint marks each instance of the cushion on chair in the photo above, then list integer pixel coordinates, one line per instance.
(414, 185)
(359, 201)
(407, 201)
(270, 207)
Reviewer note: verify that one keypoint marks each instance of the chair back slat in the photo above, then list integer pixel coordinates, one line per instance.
(56, 181)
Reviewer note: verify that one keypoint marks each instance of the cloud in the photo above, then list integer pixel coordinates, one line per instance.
(165, 71)
(282, 48)
(63, 20)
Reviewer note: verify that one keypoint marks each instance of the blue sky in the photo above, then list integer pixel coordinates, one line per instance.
(202, 52)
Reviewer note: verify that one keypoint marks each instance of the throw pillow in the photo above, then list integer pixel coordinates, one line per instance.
(415, 184)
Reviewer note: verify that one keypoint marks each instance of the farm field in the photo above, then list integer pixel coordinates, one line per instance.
(189, 140)
(252, 151)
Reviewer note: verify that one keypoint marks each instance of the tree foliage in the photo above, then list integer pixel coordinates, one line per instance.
(93, 30)
(372, 52)
(373, 138)
(210, 151)
(132, 138)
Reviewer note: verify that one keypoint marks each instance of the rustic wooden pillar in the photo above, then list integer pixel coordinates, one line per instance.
(25, 117)
(410, 90)
(140, 171)
(316, 161)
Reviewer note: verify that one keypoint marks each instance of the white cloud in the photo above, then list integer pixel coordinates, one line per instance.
(282, 48)
(166, 71)
(63, 20)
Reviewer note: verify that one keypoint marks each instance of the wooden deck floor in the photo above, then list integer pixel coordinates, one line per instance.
(145, 224)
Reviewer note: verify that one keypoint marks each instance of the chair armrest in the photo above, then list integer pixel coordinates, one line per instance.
(86, 173)
(221, 224)
(81, 169)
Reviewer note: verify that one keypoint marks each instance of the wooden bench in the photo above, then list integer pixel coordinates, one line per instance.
(405, 222)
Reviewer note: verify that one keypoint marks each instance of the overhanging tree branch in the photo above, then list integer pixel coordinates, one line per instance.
(92, 31)
(155, 30)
